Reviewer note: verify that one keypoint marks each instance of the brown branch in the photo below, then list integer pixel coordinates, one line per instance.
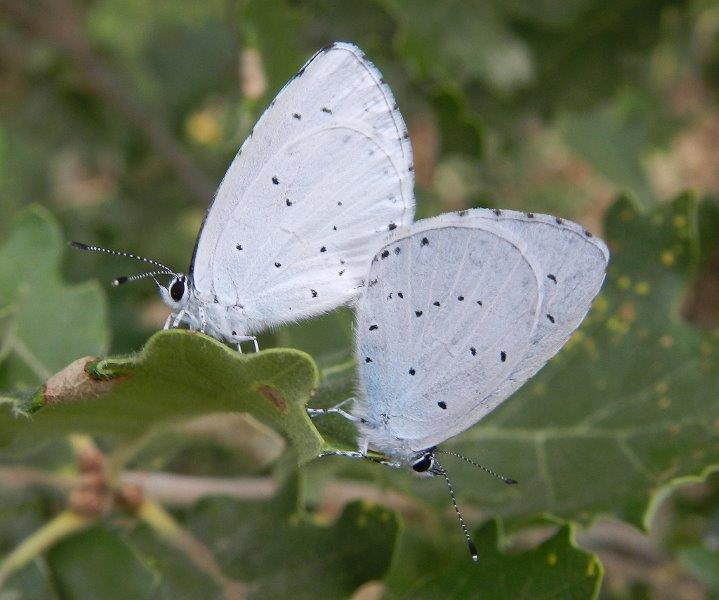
(59, 23)
(181, 490)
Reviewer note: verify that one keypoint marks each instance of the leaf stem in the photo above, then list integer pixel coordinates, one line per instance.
(62, 525)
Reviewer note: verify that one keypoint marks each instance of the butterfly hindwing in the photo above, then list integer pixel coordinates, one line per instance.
(454, 311)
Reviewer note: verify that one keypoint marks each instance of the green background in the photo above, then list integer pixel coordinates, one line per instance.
(117, 120)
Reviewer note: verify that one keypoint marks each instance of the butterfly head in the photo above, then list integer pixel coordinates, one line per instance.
(424, 463)
(177, 292)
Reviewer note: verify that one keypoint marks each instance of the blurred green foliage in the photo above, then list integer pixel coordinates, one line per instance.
(119, 117)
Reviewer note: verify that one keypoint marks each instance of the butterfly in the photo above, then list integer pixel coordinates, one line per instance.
(459, 312)
(322, 180)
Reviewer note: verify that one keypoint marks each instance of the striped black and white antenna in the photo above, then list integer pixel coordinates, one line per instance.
(164, 269)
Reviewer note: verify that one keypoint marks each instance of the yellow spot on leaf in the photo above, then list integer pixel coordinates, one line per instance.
(539, 389)
(626, 215)
(666, 341)
(662, 387)
(616, 325)
(663, 403)
(627, 312)
(673, 430)
(705, 349)
(600, 304)
(551, 559)
(642, 288)
(667, 258)
(624, 282)
(680, 221)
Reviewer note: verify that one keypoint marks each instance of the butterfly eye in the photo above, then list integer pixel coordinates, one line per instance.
(425, 463)
(177, 289)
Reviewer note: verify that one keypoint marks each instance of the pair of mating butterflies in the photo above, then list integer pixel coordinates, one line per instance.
(454, 313)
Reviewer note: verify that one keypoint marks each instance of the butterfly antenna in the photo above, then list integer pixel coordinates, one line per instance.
(89, 248)
(130, 278)
(506, 480)
(470, 544)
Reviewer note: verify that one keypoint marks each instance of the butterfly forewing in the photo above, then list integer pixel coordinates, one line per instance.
(323, 179)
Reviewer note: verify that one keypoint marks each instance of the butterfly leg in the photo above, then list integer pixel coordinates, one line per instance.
(317, 412)
(357, 454)
(178, 319)
(168, 320)
(247, 338)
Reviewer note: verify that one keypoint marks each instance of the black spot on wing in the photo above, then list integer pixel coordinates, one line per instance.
(503, 356)
(442, 404)
(275, 180)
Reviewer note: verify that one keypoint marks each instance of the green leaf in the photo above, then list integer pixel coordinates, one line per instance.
(177, 376)
(277, 549)
(44, 322)
(554, 569)
(97, 564)
(703, 563)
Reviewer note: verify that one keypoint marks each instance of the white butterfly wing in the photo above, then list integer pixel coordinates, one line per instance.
(572, 266)
(326, 173)
(446, 318)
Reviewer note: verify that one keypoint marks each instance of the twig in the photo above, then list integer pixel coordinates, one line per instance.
(60, 23)
(181, 490)
(53, 531)
(21, 477)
